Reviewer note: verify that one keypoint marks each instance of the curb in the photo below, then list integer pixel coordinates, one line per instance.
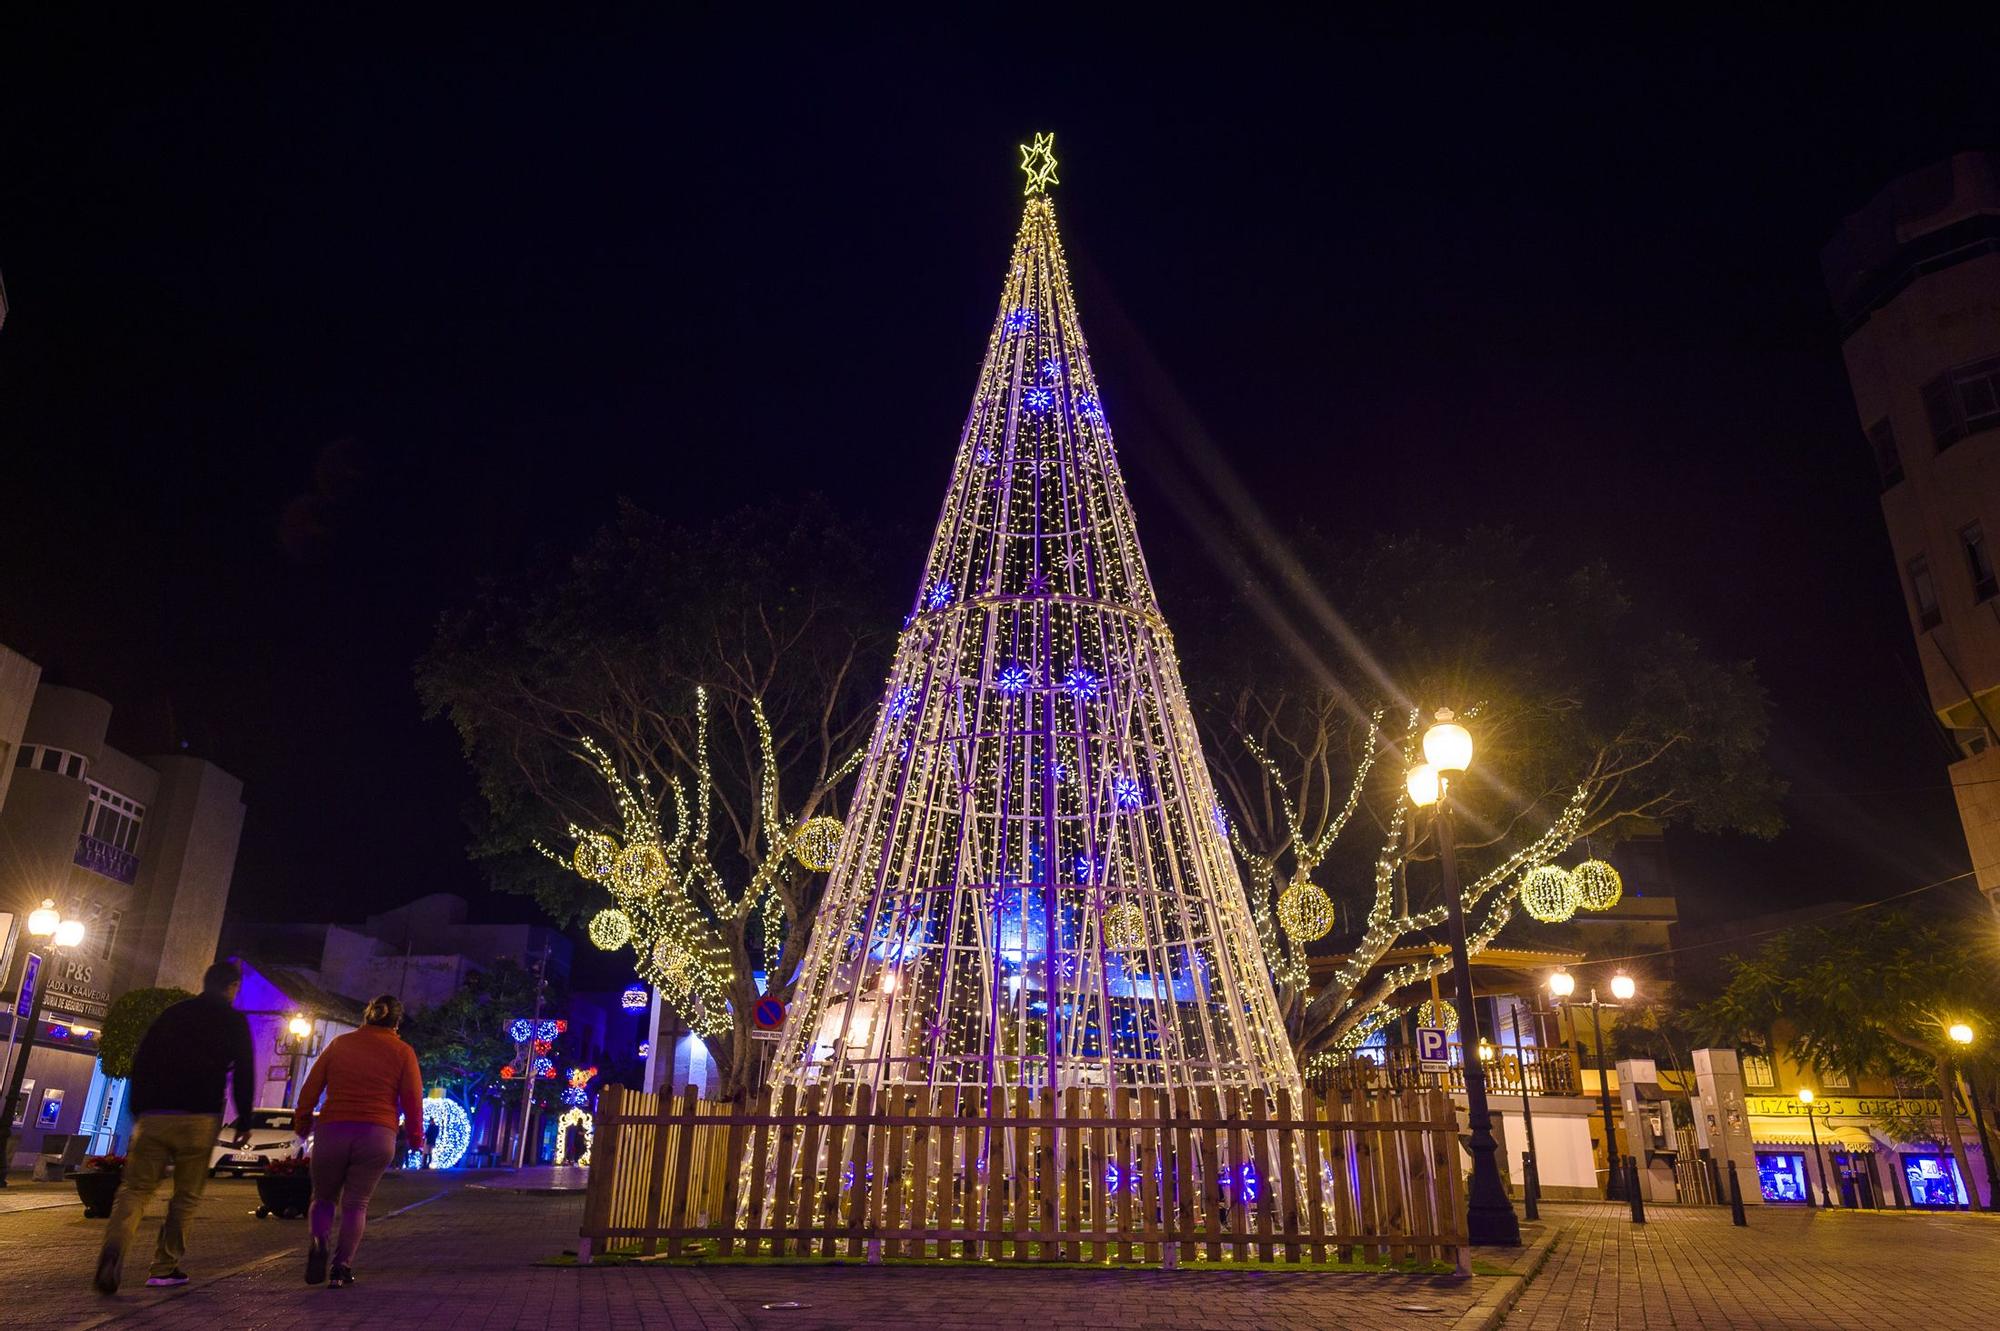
(1497, 1302)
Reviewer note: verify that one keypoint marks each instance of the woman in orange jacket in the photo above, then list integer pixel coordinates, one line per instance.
(368, 1076)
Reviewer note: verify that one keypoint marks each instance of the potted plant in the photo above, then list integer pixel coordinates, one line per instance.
(285, 1187)
(97, 1184)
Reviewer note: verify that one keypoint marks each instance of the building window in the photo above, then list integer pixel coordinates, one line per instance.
(1978, 561)
(1925, 592)
(108, 927)
(1882, 437)
(1757, 1071)
(40, 757)
(1836, 1080)
(113, 819)
(1963, 401)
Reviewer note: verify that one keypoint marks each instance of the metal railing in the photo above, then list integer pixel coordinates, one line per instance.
(1539, 1071)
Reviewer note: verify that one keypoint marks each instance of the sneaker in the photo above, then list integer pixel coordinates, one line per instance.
(109, 1264)
(342, 1277)
(316, 1262)
(169, 1280)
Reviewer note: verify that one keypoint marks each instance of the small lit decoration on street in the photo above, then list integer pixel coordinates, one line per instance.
(634, 998)
(545, 1069)
(1125, 927)
(1040, 399)
(1549, 894)
(1598, 886)
(1437, 1014)
(939, 596)
(1013, 680)
(899, 702)
(574, 1117)
(645, 1048)
(454, 1131)
(610, 929)
(817, 842)
(641, 869)
(1304, 912)
(520, 1030)
(595, 857)
(577, 1093)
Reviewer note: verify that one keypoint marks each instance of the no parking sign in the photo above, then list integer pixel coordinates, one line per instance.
(769, 1015)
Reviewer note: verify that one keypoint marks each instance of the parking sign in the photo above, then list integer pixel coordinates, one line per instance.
(1432, 1051)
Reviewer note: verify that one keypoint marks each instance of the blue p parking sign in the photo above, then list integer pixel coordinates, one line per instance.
(1432, 1051)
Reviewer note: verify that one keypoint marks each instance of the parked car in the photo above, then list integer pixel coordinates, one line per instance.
(271, 1137)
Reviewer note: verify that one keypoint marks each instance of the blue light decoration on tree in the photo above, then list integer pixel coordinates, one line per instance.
(999, 822)
(1081, 683)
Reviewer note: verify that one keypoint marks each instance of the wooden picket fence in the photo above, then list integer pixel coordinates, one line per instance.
(1153, 1177)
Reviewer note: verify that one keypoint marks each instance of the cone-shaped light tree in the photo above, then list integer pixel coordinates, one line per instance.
(1035, 887)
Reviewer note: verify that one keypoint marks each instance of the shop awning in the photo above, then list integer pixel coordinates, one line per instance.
(1768, 1131)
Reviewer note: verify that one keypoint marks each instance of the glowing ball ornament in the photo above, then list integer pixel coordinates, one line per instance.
(610, 929)
(1549, 894)
(634, 998)
(1304, 912)
(816, 843)
(595, 857)
(641, 870)
(454, 1131)
(1598, 886)
(1125, 927)
(1437, 1014)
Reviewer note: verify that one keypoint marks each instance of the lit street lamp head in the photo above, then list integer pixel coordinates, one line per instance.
(300, 1028)
(1448, 745)
(1805, 1096)
(1960, 1033)
(69, 934)
(1562, 984)
(42, 921)
(1423, 784)
(1622, 986)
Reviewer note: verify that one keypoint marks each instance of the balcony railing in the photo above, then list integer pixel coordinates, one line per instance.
(1538, 1071)
(102, 857)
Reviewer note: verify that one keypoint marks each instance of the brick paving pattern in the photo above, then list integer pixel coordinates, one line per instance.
(446, 1257)
(1824, 1270)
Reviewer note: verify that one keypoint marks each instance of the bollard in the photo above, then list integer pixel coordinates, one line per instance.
(1632, 1190)
(1531, 1186)
(1736, 1216)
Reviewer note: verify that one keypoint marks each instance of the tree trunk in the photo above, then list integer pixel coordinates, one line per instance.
(1947, 1081)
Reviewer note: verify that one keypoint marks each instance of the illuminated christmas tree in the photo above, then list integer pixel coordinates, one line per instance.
(1034, 887)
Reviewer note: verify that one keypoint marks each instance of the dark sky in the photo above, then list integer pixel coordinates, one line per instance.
(314, 325)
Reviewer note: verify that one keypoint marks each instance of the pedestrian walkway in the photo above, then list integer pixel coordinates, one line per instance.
(1827, 1270)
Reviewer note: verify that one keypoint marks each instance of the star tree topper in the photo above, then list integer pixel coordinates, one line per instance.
(1038, 163)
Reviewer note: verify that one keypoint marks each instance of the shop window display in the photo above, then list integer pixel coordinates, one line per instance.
(1933, 1180)
(1782, 1177)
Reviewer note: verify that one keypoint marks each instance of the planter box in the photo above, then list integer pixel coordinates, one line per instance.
(96, 1188)
(284, 1195)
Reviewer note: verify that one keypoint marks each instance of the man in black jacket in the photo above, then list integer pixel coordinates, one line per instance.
(177, 1101)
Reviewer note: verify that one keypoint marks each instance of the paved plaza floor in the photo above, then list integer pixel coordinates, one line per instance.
(444, 1253)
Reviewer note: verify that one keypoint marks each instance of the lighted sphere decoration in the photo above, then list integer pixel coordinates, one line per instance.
(1125, 927)
(1598, 885)
(595, 857)
(641, 869)
(1304, 912)
(817, 842)
(1437, 1014)
(572, 1117)
(454, 1131)
(1549, 894)
(610, 929)
(634, 998)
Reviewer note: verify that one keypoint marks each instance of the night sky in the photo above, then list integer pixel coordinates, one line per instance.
(314, 326)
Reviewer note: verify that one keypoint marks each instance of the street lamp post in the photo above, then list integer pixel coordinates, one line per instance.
(46, 922)
(1562, 984)
(1489, 1216)
(1812, 1127)
(1531, 1171)
(301, 1030)
(1961, 1035)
